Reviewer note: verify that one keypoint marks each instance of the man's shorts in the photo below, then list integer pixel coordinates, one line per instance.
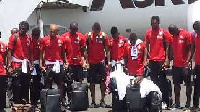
(181, 74)
(76, 72)
(51, 76)
(96, 73)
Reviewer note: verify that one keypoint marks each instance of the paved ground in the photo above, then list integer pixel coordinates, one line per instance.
(108, 100)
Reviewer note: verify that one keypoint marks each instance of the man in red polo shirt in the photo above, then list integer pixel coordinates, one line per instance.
(19, 57)
(53, 53)
(35, 75)
(75, 48)
(2, 76)
(97, 45)
(195, 37)
(180, 43)
(157, 44)
(136, 58)
(117, 47)
(76, 60)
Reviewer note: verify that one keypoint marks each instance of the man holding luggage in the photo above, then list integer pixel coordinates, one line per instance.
(136, 58)
(75, 48)
(180, 43)
(19, 57)
(97, 45)
(53, 54)
(195, 47)
(76, 61)
(2, 76)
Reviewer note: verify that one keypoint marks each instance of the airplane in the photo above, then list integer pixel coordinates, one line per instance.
(125, 15)
(134, 15)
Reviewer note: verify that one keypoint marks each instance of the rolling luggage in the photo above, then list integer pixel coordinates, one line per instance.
(153, 102)
(50, 100)
(79, 97)
(133, 98)
(117, 105)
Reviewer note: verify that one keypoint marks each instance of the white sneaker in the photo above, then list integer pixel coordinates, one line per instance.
(164, 105)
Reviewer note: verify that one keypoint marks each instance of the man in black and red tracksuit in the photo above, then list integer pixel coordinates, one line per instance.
(19, 59)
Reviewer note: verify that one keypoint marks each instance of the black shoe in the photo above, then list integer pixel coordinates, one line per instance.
(187, 107)
(93, 105)
(176, 106)
(68, 107)
(102, 104)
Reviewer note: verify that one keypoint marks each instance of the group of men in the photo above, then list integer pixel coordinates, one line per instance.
(57, 58)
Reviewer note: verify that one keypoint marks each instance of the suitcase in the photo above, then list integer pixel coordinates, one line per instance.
(79, 97)
(133, 98)
(50, 100)
(118, 105)
(154, 102)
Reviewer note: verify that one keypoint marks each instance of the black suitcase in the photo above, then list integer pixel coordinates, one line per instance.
(118, 105)
(50, 100)
(153, 102)
(133, 98)
(79, 97)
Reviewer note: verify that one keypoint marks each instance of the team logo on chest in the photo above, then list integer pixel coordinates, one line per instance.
(2, 48)
(59, 43)
(181, 37)
(28, 42)
(76, 41)
(181, 40)
(121, 42)
(160, 35)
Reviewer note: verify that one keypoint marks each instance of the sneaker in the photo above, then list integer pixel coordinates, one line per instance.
(175, 107)
(187, 107)
(102, 104)
(64, 103)
(68, 106)
(93, 105)
(164, 105)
